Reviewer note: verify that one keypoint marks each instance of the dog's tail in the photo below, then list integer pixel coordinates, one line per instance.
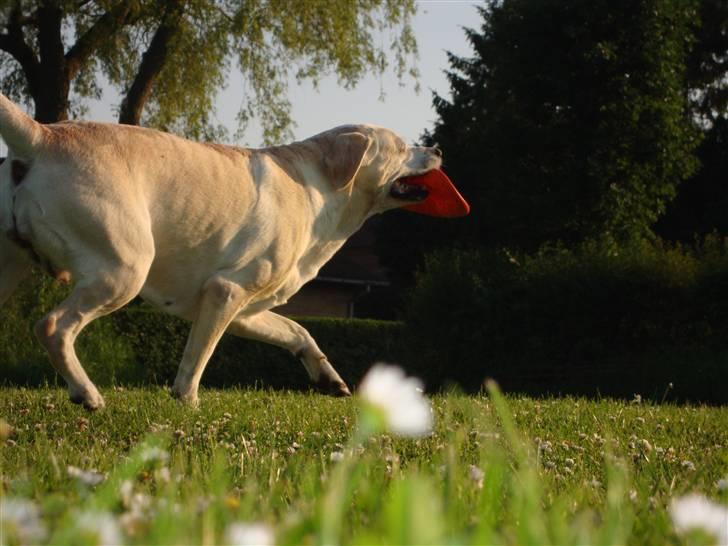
(21, 133)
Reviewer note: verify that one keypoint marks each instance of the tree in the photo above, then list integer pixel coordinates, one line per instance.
(570, 121)
(701, 202)
(708, 64)
(43, 68)
(169, 58)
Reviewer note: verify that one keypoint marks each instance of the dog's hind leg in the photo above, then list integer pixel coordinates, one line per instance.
(283, 332)
(109, 288)
(14, 267)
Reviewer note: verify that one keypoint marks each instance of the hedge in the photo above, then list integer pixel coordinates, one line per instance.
(139, 345)
(595, 320)
(648, 318)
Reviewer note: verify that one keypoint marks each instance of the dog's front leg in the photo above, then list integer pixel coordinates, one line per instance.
(220, 301)
(278, 330)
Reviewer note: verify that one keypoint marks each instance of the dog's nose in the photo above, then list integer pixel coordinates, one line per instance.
(437, 151)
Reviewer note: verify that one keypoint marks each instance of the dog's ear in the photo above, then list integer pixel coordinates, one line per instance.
(343, 156)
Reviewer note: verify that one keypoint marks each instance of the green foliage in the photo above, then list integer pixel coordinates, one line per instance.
(708, 64)
(701, 202)
(158, 341)
(581, 112)
(600, 319)
(140, 345)
(615, 320)
(268, 40)
(106, 355)
(494, 471)
(569, 121)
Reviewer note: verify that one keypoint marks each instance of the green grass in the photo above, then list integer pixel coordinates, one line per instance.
(564, 471)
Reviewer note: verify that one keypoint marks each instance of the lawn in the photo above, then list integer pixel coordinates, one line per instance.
(303, 468)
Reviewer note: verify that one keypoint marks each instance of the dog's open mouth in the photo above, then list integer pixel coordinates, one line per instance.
(408, 188)
(431, 193)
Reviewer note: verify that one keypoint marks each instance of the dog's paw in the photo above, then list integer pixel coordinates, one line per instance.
(332, 387)
(186, 398)
(189, 401)
(92, 401)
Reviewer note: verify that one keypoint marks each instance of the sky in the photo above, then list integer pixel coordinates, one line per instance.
(438, 27)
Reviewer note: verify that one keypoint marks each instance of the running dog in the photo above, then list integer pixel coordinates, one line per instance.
(214, 234)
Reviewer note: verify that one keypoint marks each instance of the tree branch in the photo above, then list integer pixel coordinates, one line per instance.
(14, 43)
(107, 25)
(152, 64)
(23, 20)
(50, 35)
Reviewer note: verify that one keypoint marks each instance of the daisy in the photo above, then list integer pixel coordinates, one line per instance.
(696, 511)
(399, 399)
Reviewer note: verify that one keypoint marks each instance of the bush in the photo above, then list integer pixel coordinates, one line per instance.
(138, 345)
(106, 356)
(351, 345)
(598, 319)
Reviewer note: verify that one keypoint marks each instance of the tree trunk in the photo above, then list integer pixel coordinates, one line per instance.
(51, 95)
(50, 73)
(152, 64)
(51, 104)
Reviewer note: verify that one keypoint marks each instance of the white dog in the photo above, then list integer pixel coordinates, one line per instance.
(215, 234)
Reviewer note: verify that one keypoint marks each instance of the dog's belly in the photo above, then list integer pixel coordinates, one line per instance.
(173, 299)
(179, 294)
(175, 282)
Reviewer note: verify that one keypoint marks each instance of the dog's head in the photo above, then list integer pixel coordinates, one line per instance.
(371, 162)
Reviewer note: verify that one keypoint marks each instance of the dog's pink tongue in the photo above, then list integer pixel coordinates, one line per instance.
(443, 199)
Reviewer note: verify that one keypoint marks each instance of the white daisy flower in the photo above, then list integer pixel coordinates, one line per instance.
(249, 534)
(696, 511)
(86, 477)
(477, 475)
(20, 520)
(150, 454)
(164, 475)
(100, 525)
(406, 411)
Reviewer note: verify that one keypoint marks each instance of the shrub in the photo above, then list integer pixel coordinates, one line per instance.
(106, 356)
(139, 345)
(158, 340)
(598, 319)
(595, 319)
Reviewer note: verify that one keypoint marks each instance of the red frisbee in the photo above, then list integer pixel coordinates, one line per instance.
(443, 198)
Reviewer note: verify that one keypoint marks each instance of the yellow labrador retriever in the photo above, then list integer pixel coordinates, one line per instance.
(215, 234)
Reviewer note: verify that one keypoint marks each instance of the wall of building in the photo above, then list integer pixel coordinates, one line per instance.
(318, 299)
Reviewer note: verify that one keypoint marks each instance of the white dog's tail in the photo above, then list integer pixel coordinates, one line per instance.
(21, 133)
